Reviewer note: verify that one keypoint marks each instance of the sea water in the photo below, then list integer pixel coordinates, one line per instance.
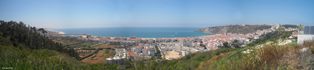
(156, 32)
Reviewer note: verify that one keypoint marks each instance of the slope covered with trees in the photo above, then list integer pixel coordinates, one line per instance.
(23, 36)
(24, 47)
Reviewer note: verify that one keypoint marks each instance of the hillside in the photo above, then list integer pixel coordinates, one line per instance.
(241, 29)
(27, 48)
(20, 35)
(265, 54)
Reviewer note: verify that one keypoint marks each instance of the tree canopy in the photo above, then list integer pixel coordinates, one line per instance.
(21, 35)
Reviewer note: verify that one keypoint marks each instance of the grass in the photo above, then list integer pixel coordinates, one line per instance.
(268, 57)
(190, 62)
(43, 59)
(309, 44)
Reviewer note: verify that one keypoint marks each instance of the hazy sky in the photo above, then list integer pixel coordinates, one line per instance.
(155, 13)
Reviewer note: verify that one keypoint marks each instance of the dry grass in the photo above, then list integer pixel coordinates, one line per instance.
(269, 57)
(277, 57)
(309, 44)
(99, 57)
(206, 64)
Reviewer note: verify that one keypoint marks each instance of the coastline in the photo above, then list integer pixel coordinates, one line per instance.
(137, 48)
(162, 32)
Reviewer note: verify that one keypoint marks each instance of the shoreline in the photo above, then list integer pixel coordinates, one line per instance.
(174, 47)
(136, 32)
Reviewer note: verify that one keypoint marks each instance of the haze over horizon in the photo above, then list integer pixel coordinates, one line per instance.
(155, 13)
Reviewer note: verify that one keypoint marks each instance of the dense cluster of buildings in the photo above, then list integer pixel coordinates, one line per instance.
(172, 48)
(175, 48)
(119, 54)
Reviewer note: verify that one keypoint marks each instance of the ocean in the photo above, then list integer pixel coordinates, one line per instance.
(160, 32)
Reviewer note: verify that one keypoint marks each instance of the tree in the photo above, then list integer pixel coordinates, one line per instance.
(225, 45)
(236, 44)
(21, 34)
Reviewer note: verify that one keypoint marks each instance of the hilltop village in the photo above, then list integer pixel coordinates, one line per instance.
(133, 48)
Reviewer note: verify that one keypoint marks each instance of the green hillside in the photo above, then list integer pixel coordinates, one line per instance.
(26, 48)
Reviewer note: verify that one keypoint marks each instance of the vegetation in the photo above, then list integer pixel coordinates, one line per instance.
(241, 29)
(309, 44)
(264, 54)
(268, 57)
(27, 48)
(273, 36)
(290, 26)
(23, 36)
(189, 62)
(73, 42)
(233, 44)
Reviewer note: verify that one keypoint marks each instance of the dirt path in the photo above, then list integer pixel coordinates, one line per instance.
(98, 57)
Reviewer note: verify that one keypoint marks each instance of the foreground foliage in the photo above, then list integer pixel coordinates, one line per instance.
(20, 35)
(24, 48)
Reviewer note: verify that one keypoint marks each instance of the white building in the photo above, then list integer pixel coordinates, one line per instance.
(308, 34)
(302, 38)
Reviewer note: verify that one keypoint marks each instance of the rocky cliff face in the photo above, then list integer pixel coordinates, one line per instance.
(241, 29)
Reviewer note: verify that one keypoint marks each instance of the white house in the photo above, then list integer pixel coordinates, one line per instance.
(306, 35)
(302, 38)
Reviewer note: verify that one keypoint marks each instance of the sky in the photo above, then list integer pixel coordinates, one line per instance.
(155, 13)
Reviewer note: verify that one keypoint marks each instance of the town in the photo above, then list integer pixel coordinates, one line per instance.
(133, 48)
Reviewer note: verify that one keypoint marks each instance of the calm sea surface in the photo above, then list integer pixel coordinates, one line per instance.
(137, 32)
